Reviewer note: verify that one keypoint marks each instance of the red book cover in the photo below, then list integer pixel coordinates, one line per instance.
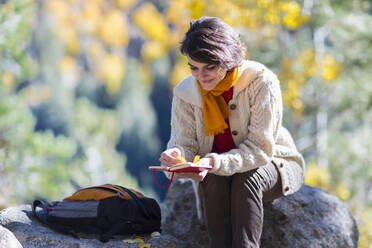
(197, 166)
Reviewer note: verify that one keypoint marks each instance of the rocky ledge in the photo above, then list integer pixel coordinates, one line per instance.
(309, 218)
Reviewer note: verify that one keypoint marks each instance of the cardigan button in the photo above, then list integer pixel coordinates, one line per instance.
(233, 106)
(281, 165)
(234, 132)
(286, 189)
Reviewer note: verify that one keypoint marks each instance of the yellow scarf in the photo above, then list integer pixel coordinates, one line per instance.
(215, 109)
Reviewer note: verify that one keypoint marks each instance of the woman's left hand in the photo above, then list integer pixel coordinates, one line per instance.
(201, 175)
(195, 176)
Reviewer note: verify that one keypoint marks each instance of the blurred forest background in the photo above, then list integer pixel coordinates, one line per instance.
(86, 87)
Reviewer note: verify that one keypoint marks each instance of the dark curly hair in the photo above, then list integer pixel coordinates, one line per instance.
(210, 40)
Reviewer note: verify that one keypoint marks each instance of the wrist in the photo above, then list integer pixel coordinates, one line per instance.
(211, 162)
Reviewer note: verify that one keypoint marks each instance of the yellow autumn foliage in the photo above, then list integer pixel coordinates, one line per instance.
(321, 177)
(59, 10)
(8, 79)
(70, 73)
(294, 21)
(70, 39)
(197, 8)
(114, 29)
(112, 72)
(295, 72)
(290, 7)
(67, 64)
(293, 18)
(317, 176)
(180, 71)
(125, 4)
(252, 18)
(272, 16)
(291, 96)
(153, 50)
(151, 22)
(286, 69)
(105, 22)
(99, 2)
(342, 192)
(229, 11)
(331, 68)
(91, 17)
(365, 227)
(298, 105)
(177, 13)
(96, 50)
(307, 60)
(265, 3)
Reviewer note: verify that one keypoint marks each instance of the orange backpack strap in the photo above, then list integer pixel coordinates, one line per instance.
(101, 192)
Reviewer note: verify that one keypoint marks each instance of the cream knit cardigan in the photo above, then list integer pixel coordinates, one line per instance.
(257, 119)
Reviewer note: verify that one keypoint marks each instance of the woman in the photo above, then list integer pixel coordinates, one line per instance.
(229, 111)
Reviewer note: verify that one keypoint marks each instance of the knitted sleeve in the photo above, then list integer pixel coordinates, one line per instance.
(257, 149)
(183, 128)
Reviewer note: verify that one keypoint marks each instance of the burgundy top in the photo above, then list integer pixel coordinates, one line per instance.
(224, 142)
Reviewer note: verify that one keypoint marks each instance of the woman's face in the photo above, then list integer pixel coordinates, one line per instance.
(209, 75)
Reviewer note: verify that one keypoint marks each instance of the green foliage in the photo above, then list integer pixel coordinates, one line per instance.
(52, 166)
(97, 132)
(30, 162)
(80, 151)
(15, 30)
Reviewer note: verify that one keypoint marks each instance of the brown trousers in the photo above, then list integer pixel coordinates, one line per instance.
(233, 205)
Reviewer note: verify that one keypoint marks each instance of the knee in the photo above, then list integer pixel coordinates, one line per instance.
(215, 187)
(213, 183)
(247, 184)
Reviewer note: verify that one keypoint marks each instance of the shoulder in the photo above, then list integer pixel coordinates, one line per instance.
(188, 91)
(256, 75)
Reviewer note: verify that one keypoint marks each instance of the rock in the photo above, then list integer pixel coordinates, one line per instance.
(309, 218)
(31, 234)
(179, 215)
(7, 239)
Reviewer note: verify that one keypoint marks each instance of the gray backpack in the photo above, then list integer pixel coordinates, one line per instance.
(106, 210)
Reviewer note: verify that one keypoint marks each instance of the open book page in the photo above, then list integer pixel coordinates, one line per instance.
(181, 168)
(159, 168)
(197, 166)
(190, 167)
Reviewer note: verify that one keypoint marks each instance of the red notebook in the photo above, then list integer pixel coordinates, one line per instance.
(196, 166)
(181, 168)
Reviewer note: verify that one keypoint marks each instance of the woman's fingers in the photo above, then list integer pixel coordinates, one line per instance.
(175, 153)
(163, 161)
(169, 157)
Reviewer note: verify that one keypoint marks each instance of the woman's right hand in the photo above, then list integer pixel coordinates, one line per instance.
(169, 157)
